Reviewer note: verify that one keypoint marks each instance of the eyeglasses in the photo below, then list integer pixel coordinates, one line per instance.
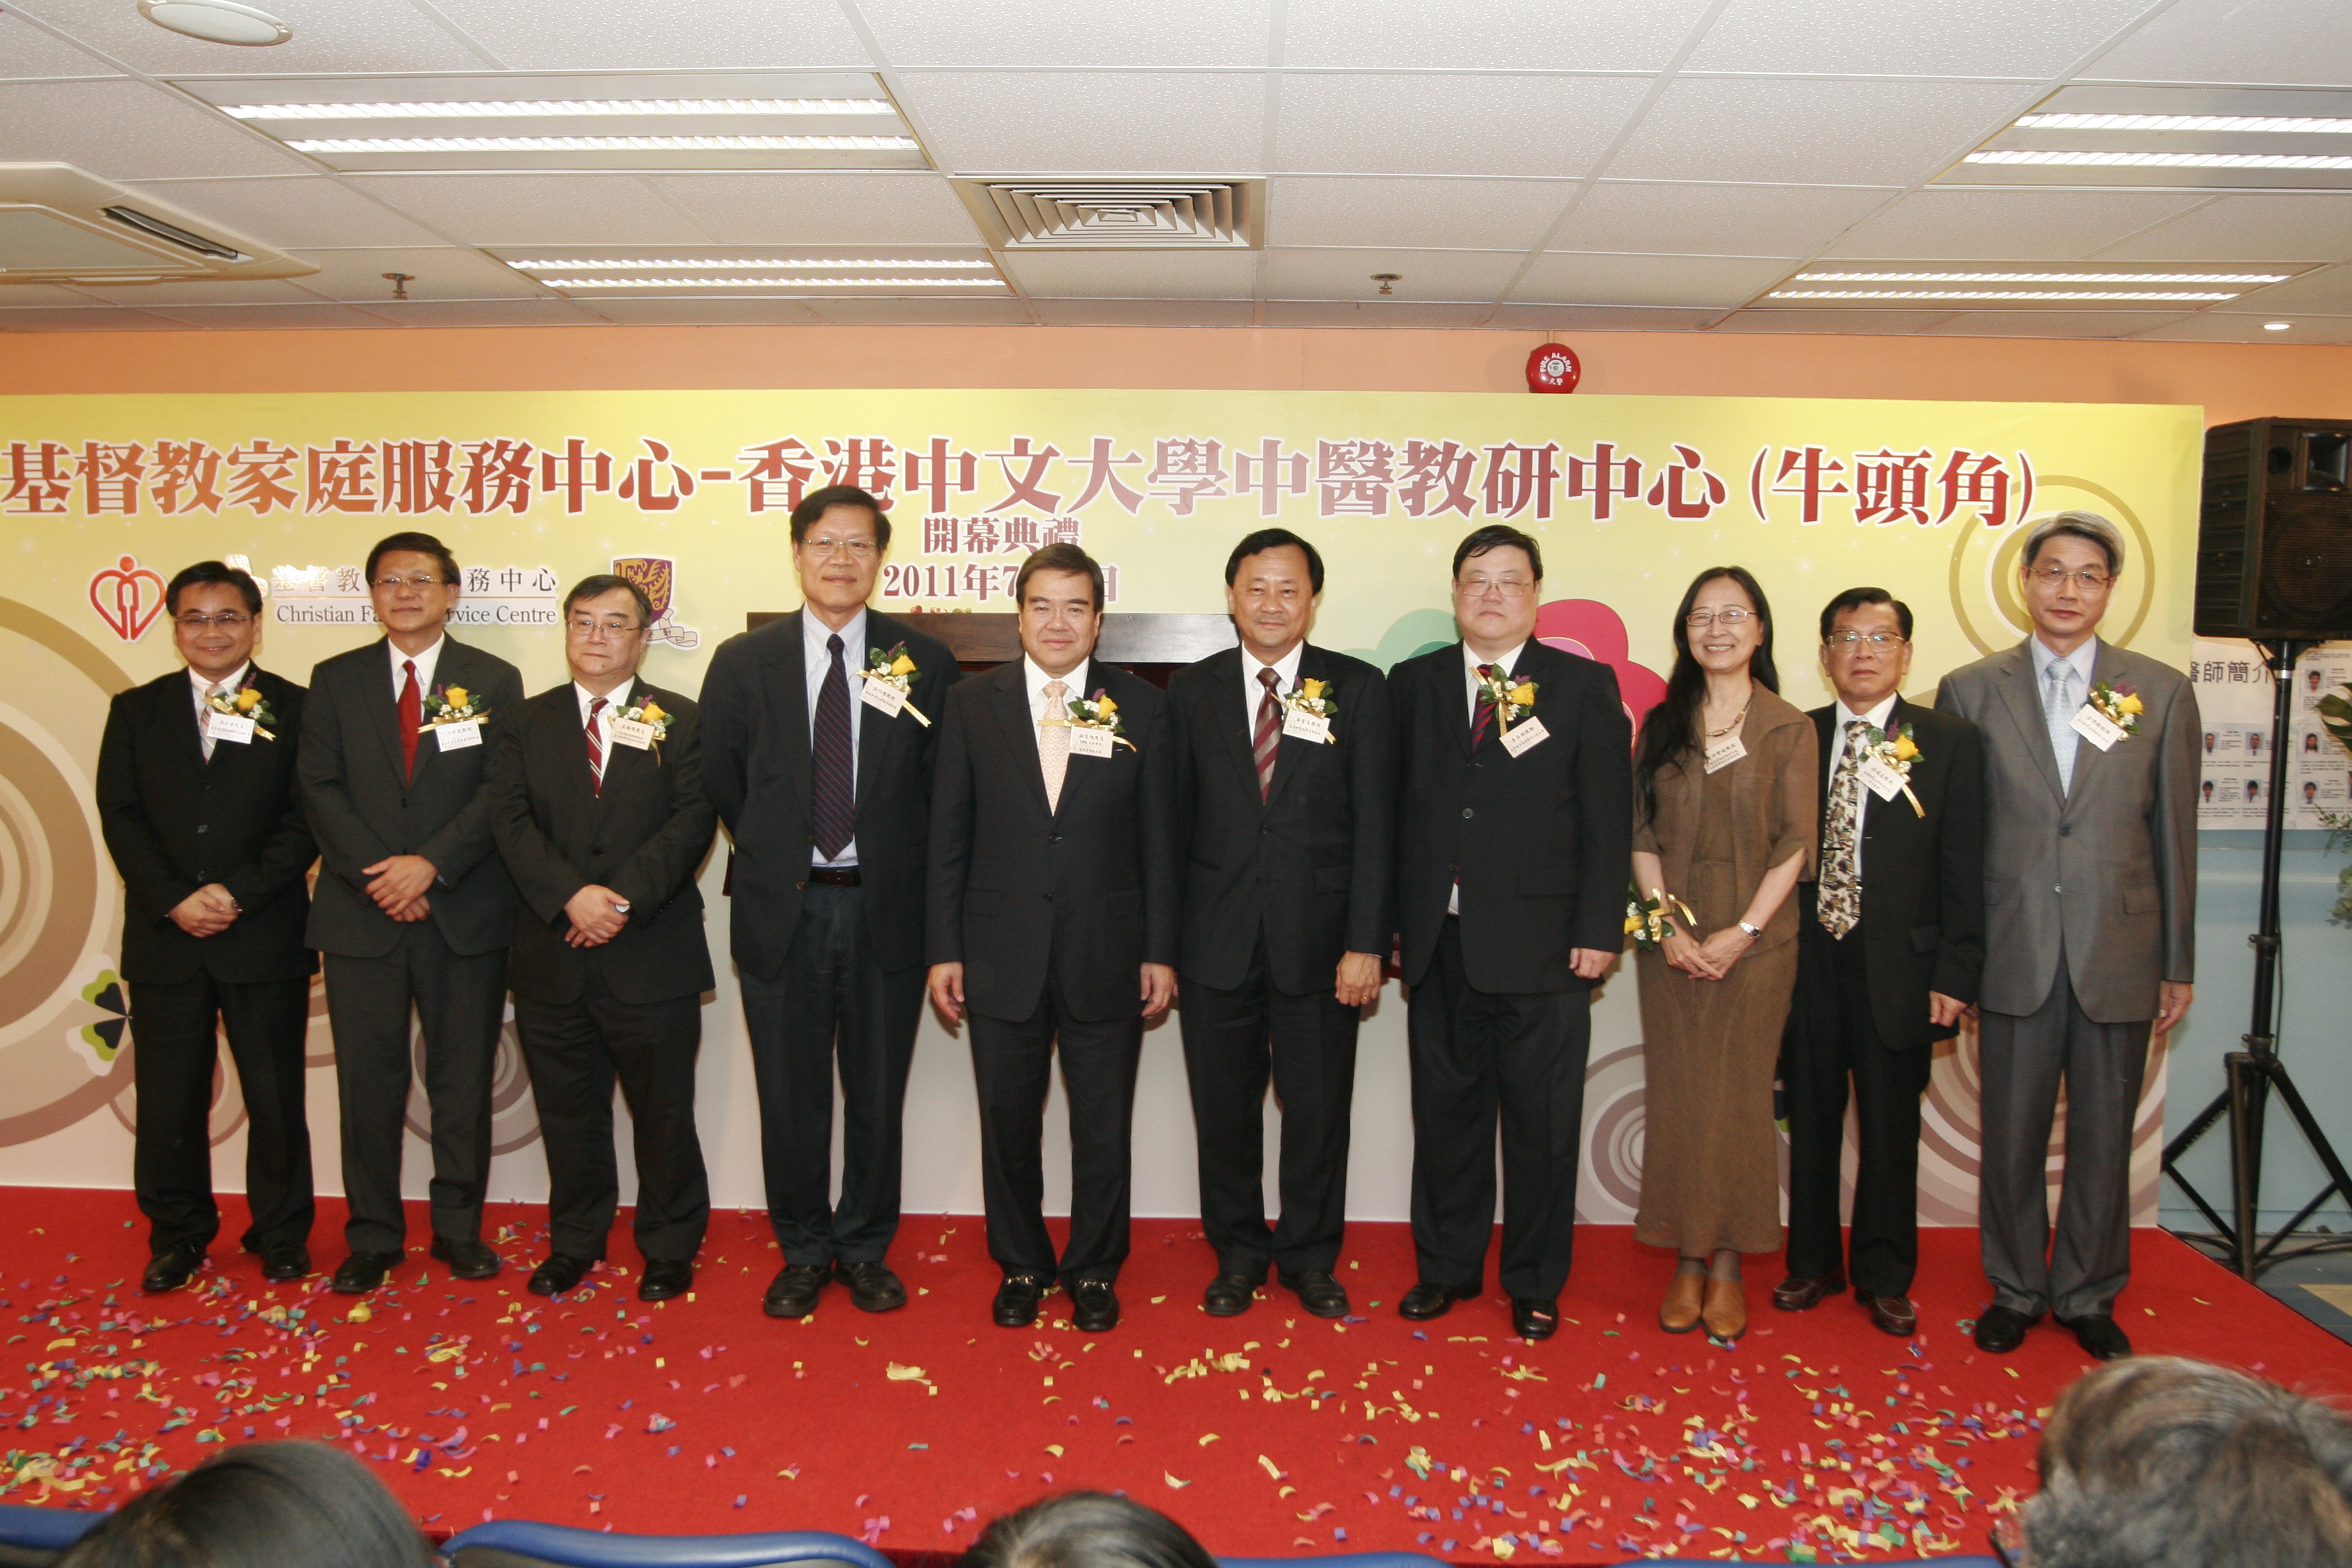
(227, 620)
(581, 626)
(392, 584)
(1700, 620)
(2090, 578)
(1846, 642)
(1509, 587)
(825, 548)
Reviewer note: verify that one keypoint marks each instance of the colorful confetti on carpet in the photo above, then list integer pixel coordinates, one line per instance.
(1817, 1438)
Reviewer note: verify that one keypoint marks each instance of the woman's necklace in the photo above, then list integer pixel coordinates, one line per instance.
(1738, 720)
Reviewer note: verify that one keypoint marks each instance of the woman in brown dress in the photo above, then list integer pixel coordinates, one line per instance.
(1725, 815)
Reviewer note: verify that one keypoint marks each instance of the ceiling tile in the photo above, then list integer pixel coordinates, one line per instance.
(19, 295)
(1051, 122)
(1459, 275)
(1146, 312)
(1538, 35)
(1945, 225)
(128, 131)
(2298, 42)
(2048, 323)
(481, 313)
(1137, 275)
(1444, 125)
(2212, 327)
(155, 296)
(434, 273)
(328, 36)
(1909, 37)
(311, 209)
(25, 51)
(1444, 214)
(1155, 33)
(257, 318)
(1378, 314)
(1596, 319)
(537, 209)
(681, 35)
(1592, 279)
(705, 313)
(1870, 323)
(1695, 219)
(794, 208)
(1813, 133)
(2328, 291)
(2282, 227)
(87, 318)
(921, 312)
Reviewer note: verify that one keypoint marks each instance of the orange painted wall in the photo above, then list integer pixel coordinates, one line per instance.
(2230, 381)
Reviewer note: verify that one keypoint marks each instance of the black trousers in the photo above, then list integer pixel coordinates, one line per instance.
(458, 999)
(1832, 1037)
(1013, 1062)
(173, 1053)
(1234, 1040)
(1478, 1056)
(833, 1002)
(576, 1051)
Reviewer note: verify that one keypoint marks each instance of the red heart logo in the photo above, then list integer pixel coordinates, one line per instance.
(120, 595)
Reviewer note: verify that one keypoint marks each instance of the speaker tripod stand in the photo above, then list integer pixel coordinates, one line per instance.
(2253, 1073)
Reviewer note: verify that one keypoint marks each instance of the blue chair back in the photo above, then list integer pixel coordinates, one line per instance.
(30, 1535)
(1342, 1559)
(1971, 1561)
(523, 1543)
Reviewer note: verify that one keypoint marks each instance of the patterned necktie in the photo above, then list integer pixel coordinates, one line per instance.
(1483, 713)
(2059, 709)
(1841, 884)
(596, 750)
(412, 717)
(836, 783)
(1268, 739)
(1053, 744)
(204, 717)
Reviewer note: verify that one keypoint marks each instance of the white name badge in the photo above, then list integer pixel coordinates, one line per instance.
(1524, 736)
(883, 695)
(1725, 752)
(633, 733)
(457, 737)
(235, 730)
(1880, 775)
(1085, 743)
(1307, 726)
(2098, 728)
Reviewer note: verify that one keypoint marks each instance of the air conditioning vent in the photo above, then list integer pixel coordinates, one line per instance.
(58, 224)
(1119, 215)
(179, 237)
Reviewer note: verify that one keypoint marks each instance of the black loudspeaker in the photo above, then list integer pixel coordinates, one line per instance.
(2274, 531)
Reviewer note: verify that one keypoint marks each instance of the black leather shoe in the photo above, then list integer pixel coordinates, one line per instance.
(1016, 1301)
(1318, 1291)
(1229, 1295)
(2099, 1336)
(1890, 1314)
(794, 1291)
(1534, 1320)
(171, 1268)
(2002, 1329)
(280, 1264)
(1426, 1300)
(364, 1271)
(665, 1278)
(872, 1287)
(1094, 1306)
(559, 1274)
(466, 1259)
(1795, 1295)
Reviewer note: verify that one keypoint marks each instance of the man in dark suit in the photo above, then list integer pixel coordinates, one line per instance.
(1514, 843)
(195, 797)
(1890, 947)
(823, 776)
(1053, 915)
(1285, 786)
(414, 907)
(598, 806)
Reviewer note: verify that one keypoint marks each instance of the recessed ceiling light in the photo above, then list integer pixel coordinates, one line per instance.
(218, 22)
(607, 144)
(2276, 326)
(755, 282)
(548, 107)
(2035, 295)
(2161, 159)
(2293, 124)
(759, 265)
(1909, 275)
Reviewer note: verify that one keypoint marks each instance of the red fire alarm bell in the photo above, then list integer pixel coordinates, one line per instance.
(1553, 368)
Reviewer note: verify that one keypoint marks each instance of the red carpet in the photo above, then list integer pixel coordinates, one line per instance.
(1273, 1433)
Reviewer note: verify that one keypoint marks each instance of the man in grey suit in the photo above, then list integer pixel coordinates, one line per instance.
(2089, 755)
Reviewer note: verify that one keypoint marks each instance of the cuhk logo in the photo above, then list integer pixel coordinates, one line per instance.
(657, 578)
(127, 598)
(1553, 368)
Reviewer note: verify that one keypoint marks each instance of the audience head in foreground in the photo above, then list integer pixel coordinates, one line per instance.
(2161, 1462)
(261, 1505)
(1086, 1529)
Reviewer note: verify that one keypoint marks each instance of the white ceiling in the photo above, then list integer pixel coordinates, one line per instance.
(1547, 165)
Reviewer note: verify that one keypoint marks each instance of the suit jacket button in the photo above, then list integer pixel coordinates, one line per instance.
(1465, 810)
(1053, 838)
(2065, 829)
(200, 827)
(802, 887)
(1049, 898)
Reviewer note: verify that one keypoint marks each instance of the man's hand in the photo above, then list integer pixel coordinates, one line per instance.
(1159, 989)
(397, 882)
(207, 912)
(596, 915)
(2172, 1001)
(946, 991)
(1943, 1011)
(418, 908)
(1359, 980)
(1590, 963)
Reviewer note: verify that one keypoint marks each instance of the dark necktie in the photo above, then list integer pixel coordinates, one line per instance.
(1268, 739)
(412, 717)
(596, 750)
(1484, 714)
(836, 785)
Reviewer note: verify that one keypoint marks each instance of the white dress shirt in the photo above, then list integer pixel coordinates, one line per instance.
(2085, 659)
(1471, 693)
(1036, 680)
(1285, 671)
(228, 686)
(1841, 716)
(427, 663)
(817, 660)
(616, 698)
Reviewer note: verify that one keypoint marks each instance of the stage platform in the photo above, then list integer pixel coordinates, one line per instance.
(1816, 1438)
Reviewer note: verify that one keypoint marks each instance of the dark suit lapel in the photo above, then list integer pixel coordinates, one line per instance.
(1825, 729)
(1290, 753)
(454, 668)
(793, 711)
(2021, 695)
(1078, 776)
(379, 700)
(1233, 728)
(1450, 683)
(181, 726)
(1020, 735)
(2088, 758)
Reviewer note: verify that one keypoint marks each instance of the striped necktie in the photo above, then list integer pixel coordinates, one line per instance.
(1268, 739)
(595, 749)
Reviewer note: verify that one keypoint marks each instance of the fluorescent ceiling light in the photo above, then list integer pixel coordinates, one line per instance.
(772, 283)
(2276, 326)
(608, 144)
(546, 108)
(959, 263)
(1987, 294)
(2293, 124)
(2162, 160)
(2150, 278)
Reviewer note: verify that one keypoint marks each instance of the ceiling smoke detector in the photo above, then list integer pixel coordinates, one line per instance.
(1119, 215)
(218, 22)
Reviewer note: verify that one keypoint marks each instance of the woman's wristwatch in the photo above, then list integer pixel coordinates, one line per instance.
(1753, 931)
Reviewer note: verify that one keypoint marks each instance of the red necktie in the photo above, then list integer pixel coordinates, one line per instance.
(412, 717)
(1268, 739)
(596, 750)
(1485, 714)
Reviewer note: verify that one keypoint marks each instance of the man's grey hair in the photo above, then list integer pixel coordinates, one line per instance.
(2087, 525)
(2161, 1462)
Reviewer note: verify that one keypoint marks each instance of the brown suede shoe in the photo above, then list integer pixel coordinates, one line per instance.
(1679, 1315)
(1726, 1313)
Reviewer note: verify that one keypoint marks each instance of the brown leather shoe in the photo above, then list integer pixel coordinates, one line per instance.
(1726, 1313)
(1891, 1314)
(1795, 1295)
(1679, 1315)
